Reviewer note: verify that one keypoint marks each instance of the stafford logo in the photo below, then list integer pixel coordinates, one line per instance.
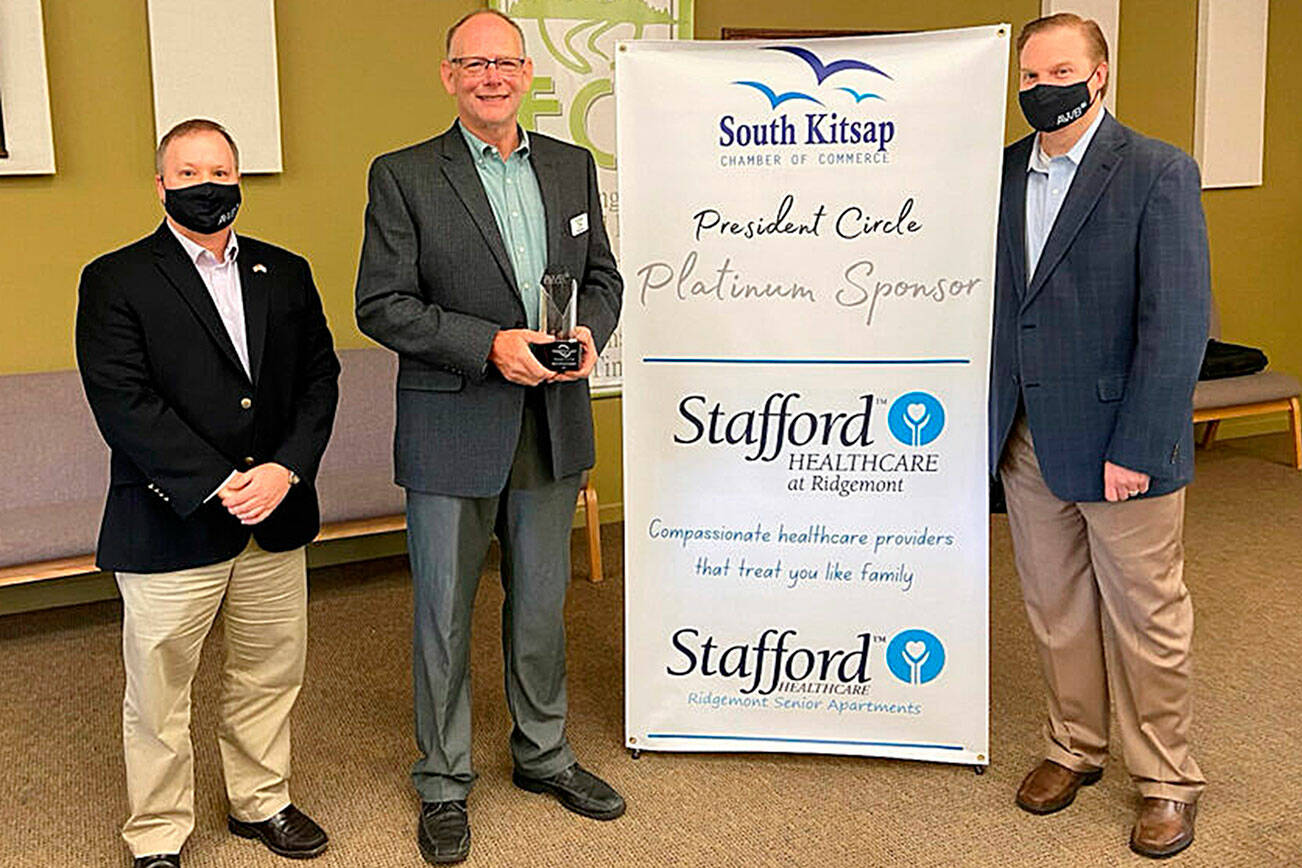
(777, 425)
(916, 418)
(774, 661)
(915, 656)
(818, 128)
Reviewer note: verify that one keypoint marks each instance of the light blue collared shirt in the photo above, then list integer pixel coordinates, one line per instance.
(1047, 183)
(512, 190)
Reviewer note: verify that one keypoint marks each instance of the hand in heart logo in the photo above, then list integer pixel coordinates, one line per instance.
(915, 656)
(916, 418)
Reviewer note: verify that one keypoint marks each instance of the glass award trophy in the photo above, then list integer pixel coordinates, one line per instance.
(558, 313)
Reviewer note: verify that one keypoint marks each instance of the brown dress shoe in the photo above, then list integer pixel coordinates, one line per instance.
(1051, 787)
(1163, 828)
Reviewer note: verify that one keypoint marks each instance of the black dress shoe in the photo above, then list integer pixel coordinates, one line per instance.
(444, 832)
(158, 860)
(291, 833)
(577, 789)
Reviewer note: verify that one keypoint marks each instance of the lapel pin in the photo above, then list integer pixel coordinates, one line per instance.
(260, 267)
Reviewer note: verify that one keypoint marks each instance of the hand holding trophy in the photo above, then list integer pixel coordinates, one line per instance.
(558, 316)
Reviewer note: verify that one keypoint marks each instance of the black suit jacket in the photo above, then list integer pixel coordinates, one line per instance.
(435, 284)
(179, 412)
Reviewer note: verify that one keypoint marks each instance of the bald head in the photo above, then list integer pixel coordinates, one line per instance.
(474, 16)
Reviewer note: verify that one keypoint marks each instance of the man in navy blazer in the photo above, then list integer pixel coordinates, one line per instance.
(1101, 305)
(208, 363)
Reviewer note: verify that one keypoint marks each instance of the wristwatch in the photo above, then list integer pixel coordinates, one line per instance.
(293, 478)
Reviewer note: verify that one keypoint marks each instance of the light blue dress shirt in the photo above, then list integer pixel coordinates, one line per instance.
(1047, 183)
(512, 190)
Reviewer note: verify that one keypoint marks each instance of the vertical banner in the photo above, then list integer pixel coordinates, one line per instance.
(808, 250)
(572, 43)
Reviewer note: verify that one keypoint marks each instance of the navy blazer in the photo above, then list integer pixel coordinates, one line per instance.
(178, 410)
(435, 284)
(1103, 343)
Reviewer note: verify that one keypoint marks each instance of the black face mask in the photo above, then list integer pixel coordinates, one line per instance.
(203, 208)
(1050, 107)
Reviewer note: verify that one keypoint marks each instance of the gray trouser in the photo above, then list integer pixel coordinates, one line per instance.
(448, 538)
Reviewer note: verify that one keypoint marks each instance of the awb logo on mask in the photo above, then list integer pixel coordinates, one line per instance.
(1067, 117)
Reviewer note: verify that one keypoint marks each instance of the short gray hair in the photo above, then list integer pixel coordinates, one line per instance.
(189, 128)
(464, 18)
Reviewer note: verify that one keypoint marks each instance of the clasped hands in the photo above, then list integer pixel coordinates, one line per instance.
(513, 358)
(251, 495)
(1120, 483)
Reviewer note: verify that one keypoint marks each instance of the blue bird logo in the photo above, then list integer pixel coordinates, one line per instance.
(822, 70)
(776, 99)
(860, 97)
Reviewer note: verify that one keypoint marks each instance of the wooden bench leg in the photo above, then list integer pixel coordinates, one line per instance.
(1209, 433)
(592, 518)
(1295, 415)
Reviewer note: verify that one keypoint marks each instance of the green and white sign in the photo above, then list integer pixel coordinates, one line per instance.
(572, 43)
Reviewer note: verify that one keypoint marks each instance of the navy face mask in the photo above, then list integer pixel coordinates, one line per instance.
(203, 208)
(1050, 107)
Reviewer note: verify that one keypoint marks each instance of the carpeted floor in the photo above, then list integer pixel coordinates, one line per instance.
(61, 780)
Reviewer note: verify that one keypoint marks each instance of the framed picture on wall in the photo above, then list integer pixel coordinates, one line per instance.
(787, 33)
(26, 136)
(4, 154)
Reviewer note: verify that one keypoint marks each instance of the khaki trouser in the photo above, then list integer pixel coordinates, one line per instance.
(1105, 596)
(166, 617)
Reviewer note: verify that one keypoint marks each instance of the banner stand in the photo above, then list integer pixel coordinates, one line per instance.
(808, 247)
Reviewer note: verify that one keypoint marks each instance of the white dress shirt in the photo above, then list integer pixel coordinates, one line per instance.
(223, 282)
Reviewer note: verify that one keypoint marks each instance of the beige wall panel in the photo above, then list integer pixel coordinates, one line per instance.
(1230, 106)
(218, 61)
(24, 91)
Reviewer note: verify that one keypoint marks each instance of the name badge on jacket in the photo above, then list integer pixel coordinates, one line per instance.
(579, 224)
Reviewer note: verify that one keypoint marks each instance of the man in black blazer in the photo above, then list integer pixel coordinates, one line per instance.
(1101, 303)
(211, 372)
(460, 230)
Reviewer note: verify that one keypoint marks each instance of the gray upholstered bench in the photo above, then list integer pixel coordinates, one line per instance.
(1254, 395)
(57, 470)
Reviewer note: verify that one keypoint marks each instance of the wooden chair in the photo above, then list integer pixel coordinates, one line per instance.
(1254, 395)
(592, 518)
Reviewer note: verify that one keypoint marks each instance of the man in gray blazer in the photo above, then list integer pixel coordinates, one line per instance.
(1101, 304)
(460, 230)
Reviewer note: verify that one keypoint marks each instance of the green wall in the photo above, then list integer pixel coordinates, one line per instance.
(357, 80)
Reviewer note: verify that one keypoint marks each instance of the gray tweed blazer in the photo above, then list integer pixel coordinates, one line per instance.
(435, 285)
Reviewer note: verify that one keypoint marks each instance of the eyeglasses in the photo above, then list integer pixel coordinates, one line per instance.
(476, 66)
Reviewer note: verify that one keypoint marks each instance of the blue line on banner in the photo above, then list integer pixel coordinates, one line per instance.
(806, 740)
(668, 360)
